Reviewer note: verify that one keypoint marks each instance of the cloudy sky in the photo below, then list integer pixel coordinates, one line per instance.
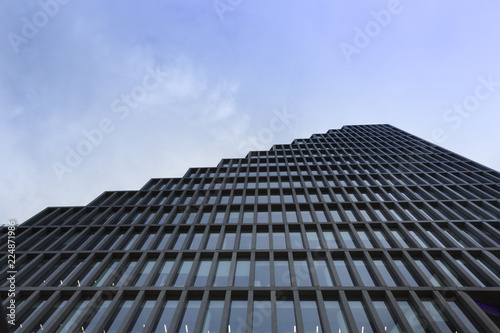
(104, 95)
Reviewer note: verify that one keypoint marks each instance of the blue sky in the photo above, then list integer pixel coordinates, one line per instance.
(104, 95)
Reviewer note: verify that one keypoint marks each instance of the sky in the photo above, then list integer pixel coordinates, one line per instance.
(104, 95)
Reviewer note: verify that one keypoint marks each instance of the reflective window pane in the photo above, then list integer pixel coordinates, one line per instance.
(213, 317)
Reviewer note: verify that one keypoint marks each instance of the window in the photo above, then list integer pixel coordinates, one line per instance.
(364, 273)
(165, 269)
(202, 273)
(120, 316)
(310, 316)
(228, 243)
(386, 317)
(285, 315)
(213, 317)
(302, 275)
(262, 241)
(323, 273)
(212, 241)
(262, 321)
(359, 313)
(282, 273)
(222, 273)
(262, 273)
(296, 240)
(312, 238)
(182, 274)
(246, 241)
(237, 317)
(190, 315)
(279, 240)
(144, 312)
(242, 273)
(336, 317)
(166, 316)
(343, 273)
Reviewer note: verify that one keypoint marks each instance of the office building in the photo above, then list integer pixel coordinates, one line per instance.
(362, 229)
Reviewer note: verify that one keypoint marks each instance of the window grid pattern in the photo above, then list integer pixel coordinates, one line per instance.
(363, 228)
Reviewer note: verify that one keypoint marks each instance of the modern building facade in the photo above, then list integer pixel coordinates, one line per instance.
(362, 229)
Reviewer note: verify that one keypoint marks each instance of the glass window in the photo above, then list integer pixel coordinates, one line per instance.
(106, 273)
(262, 273)
(312, 237)
(349, 242)
(406, 273)
(262, 217)
(120, 316)
(435, 280)
(212, 241)
(381, 237)
(282, 273)
(386, 317)
(364, 239)
(452, 274)
(285, 317)
(262, 241)
(323, 273)
(463, 317)
(195, 242)
(125, 276)
(180, 240)
(131, 242)
(182, 273)
(147, 241)
(73, 315)
(335, 215)
(94, 317)
(245, 241)
(420, 239)
(431, 234)
(166, 316)
(276, 217)
(190, 315)
(142, 318)
(302, 275)
(359, 314)
(343, 272)
(306, 216)
(296, 240)
(336, 317)
(228, 243)
(291, 217)
(144, 273)
(438, 317)
(466, 267)
(222, 273)
(364, 273)
(400, 238)
(261, 321)
(386, 275)
(331, 243)
(49, 316)
(310, 317)
(242, 273)
(279, 240)
(213, 317)
(237, 317)
(202, 273)
(411, 315)
(163, 241)
(165, 269)
(248, 217)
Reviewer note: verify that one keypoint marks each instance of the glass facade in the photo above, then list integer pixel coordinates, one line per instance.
(362, 229)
